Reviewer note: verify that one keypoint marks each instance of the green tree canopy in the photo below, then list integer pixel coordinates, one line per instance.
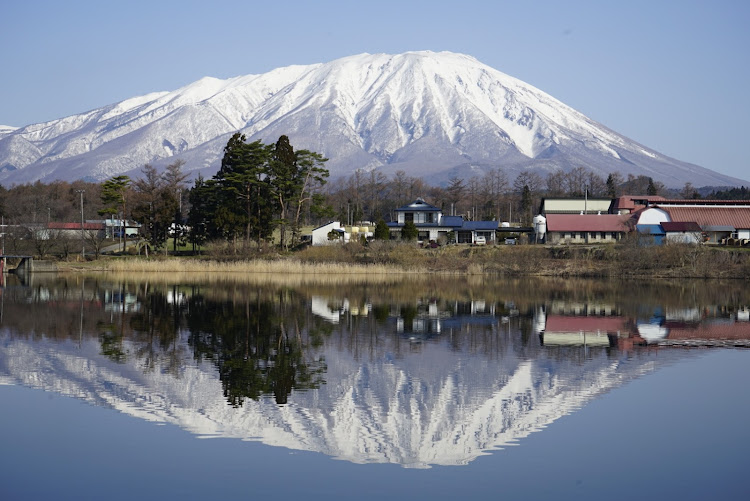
(114, 199)
(409, 231)
(381, 230)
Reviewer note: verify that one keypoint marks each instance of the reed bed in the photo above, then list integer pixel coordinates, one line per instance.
(354, 262)
(286, 279)
(260, 267)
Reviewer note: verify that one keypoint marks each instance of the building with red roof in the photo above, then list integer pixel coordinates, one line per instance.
(586, 228)
(627, 204)
(720, 221)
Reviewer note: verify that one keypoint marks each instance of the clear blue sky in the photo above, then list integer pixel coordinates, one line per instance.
(673, 75)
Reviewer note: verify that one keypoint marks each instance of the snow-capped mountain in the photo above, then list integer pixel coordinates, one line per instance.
(429, 114)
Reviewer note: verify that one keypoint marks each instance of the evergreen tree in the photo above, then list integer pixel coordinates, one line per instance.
(284, 183)
(294, 177)
(409, 231)
(258, 188)
(311, 175)
(201, 198)
(611, 188)
(244, 200)
(113, 196)
(381, 230)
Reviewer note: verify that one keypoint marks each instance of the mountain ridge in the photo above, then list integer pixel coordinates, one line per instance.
(429, 114)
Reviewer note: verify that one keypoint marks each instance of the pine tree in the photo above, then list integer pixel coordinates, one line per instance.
(244, 198)
(114, 198)
(611, 188)
(201, 198)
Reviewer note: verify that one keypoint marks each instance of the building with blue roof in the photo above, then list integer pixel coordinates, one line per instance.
(433, 226)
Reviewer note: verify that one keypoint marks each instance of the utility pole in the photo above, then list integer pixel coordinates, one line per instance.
(83, 239)
(585, 199)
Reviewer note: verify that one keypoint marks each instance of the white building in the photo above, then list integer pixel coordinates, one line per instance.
(320, 234)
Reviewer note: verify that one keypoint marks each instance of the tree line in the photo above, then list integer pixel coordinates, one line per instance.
(262, 190)
(258, 188)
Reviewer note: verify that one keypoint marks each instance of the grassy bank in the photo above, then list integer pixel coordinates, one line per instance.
(384, 259)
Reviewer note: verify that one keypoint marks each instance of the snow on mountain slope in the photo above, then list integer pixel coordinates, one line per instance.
(427, 113)
(409, 411)
(6, 129)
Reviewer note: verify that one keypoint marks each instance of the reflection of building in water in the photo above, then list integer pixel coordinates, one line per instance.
(565, 323)
(710, 323)
(332, 310)
(669, 325)
(582, 309)
(587, 331)
(432, 317)
(468, 391)
(120, 301)
(424, 318)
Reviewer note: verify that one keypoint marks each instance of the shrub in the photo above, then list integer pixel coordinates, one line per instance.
(409, 231)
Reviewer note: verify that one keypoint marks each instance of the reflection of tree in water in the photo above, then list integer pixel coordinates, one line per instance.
(111, 341)
(156, 330)
(152, 333)
(257, 346)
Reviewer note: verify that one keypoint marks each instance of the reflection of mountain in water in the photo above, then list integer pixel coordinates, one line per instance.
(417, 375)
(438, 406)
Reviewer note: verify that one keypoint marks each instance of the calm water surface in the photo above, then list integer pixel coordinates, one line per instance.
(123, 388)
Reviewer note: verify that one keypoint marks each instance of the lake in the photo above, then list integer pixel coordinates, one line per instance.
(198, 387)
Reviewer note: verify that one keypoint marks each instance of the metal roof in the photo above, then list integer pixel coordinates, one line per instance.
(479, 225)
(564, 323)
(418, 205)
(631, 202)
(679, 226)
(587, 222)
(456, 221)
(704, 202)
(650, 229)
(75, 226)
(739, 217)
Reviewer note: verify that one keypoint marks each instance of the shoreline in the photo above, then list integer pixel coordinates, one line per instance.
(407, 260)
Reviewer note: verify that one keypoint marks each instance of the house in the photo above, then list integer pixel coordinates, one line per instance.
(120, 227)
(433, 226)
(721, 221)
(585, 228)
(320, 234)
(73, 230)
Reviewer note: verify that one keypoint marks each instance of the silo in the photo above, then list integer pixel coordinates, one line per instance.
(540, 227)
